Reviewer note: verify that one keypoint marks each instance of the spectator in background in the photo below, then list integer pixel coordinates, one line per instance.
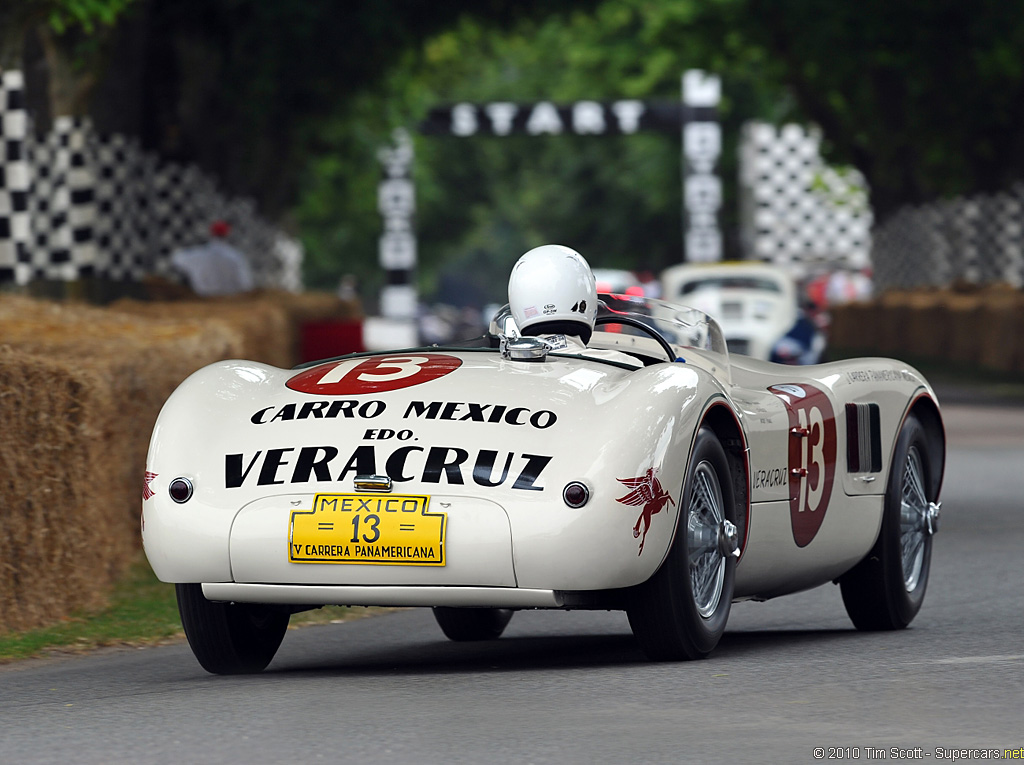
(214, 268)
(847, 286)
(348, 287)
(650, 284)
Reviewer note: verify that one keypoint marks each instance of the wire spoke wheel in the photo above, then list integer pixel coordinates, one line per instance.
(707, 564)
(885, 590)
(913, 520)
(681, 611)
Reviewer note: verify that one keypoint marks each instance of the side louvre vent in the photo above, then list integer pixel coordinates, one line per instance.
(863, 438)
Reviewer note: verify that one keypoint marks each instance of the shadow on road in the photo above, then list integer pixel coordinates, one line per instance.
(521, 654)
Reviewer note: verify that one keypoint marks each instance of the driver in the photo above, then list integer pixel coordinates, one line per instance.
(552, 294)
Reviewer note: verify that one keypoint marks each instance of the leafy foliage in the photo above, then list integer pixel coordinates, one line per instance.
(288, 103)
(483, 201)
(65, 14)
(925, 99)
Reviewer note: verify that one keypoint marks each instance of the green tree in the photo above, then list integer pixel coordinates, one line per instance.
(925, 98)
(485, 200)
(72, 33)
(288, 102)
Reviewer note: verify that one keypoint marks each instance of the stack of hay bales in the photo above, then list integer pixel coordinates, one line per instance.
(926, 323)
(963, 316)
(59, 543)
(271, 322)
(966, 325)
(855, 328)
(80, 390)
(262, 327)
(1000, 334)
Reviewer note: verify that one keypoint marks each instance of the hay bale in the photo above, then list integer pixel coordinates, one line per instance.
(271, 322)
(60, 544)
(855, 327)
(309, 310)
(80, 390)
(1000, 332)
(962, 316)
(263, 326)
(315, 306)
(891, 338)
(924, 324)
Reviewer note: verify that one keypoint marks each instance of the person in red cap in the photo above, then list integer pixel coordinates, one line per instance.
(214, 268)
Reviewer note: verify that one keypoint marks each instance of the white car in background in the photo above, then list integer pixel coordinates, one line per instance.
(756, 305)
(617, 281)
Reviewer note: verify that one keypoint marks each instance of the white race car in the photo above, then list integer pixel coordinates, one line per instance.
(483, 480)
(756, 304)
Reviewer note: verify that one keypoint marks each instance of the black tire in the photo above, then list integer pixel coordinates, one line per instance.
(669, 621)
(886, 589)
(464, 624)
(230, 638)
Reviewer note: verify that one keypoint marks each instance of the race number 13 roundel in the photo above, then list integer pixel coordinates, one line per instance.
(812, 457)
(376, 374)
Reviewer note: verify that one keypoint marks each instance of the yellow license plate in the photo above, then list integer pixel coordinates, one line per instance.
(388, 529)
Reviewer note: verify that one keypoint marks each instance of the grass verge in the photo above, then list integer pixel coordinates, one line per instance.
(142, 611)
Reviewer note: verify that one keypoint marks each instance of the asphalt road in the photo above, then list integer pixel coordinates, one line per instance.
(789, 675)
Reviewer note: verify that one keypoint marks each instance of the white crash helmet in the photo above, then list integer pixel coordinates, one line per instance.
(552, 291)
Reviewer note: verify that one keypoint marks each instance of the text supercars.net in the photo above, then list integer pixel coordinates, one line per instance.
(941, 753)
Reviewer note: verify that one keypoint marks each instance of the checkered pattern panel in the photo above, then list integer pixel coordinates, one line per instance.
(795, 210)
(15, 180)
(78, 134)
(976, 239)
(172, 221)
(76, 204)
(122, 182)
(51, 209)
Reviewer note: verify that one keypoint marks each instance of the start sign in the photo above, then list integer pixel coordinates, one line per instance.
(501, 118)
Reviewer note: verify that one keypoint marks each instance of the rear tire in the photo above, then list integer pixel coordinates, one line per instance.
(230, 638)
(680, 613)
(886, 589)
(466, 624)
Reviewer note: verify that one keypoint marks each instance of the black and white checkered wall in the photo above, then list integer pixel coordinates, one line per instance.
(15, 180)
(62, 203)
(795, 210)
(978, 239)
(75, 204)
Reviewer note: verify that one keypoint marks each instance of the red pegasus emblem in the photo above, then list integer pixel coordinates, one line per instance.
(147, 491)
(646, 491)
